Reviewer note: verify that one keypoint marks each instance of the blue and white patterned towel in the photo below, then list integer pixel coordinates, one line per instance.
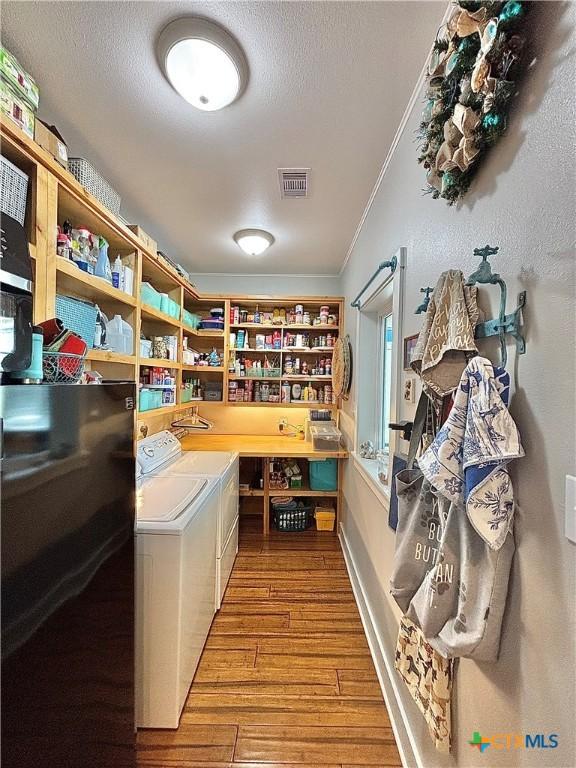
(467, 462)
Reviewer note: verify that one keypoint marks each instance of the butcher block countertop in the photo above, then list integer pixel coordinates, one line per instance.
(277, 446)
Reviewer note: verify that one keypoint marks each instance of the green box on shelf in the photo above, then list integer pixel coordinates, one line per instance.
(169, 306)
(150, 296)
(16, 108)
(22, 83)
(323, 474)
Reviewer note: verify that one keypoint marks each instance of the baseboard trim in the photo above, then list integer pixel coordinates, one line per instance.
(388, 679)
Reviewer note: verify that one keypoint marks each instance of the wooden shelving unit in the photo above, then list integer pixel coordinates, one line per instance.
(55, 195)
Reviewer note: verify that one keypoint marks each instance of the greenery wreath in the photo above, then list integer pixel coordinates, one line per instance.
(470, 86)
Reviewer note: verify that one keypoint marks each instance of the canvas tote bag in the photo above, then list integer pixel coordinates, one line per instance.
(418, 521)
(445, 577)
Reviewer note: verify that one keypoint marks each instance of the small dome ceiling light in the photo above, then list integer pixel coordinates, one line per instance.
(253, 241)
(202, 62)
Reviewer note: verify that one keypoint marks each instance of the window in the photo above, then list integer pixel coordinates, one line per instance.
(378, 334)
(385, 380)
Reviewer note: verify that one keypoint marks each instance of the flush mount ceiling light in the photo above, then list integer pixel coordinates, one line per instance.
(253, 241)
(203, 63)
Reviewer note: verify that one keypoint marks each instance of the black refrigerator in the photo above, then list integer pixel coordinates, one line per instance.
(67, 545)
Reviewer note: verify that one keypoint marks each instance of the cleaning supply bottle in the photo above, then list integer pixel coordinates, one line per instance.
(103, 263)
(117, 273)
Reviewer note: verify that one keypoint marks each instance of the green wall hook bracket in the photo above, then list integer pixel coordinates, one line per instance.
(425, 301)
(503, 324)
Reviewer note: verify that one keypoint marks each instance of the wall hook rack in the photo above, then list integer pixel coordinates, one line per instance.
(504, 323)
(391, 265)
(423, 306)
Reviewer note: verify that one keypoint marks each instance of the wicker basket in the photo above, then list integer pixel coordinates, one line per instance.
(62, 368)
(78, 316)
(95, 183)
(13, 190)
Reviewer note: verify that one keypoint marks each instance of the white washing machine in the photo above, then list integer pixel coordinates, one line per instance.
(162, 453)
(176, 522)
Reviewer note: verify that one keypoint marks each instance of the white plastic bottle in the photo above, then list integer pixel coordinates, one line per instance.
(118, 274)
(120, 336)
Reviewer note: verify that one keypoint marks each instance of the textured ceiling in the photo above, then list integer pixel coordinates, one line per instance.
(329, 82)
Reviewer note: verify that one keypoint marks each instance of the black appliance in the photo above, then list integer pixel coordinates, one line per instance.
(67, 546)
(16, 301)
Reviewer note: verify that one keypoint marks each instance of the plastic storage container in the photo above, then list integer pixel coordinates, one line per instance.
(323, 475)
(190, 319)
(169, 306)
(325, 437)
(325, 518)
(145, 348)
(213, 390)
(120, 336)
(150, 296)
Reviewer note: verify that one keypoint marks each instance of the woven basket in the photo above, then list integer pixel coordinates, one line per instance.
(13, 190)
(78, 316)
(95, 183)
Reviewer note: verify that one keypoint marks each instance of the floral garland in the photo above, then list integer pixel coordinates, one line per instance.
(470, 86)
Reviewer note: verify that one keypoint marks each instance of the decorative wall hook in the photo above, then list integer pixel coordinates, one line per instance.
(504, 323)
(391, 265)
(423, 306)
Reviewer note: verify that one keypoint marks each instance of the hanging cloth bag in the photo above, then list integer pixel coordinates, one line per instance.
(417, 533)
(460, 604)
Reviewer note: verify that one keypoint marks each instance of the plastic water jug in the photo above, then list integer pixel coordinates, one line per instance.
(120, 336)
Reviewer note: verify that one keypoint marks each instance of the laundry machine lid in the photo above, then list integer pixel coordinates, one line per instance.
(207, 463)
(163, 499)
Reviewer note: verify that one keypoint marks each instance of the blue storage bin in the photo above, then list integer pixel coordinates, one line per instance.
(78, 316)
(323, 474)
(169, 306)
(150, 296)
(144, 399)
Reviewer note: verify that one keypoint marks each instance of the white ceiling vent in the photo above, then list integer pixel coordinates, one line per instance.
(294, 182)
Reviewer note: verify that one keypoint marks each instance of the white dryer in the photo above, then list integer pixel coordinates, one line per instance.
(162, 453)
(176, 521)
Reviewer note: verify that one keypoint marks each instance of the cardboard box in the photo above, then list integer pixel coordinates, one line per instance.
(150, 244)
(21, 82)
(16, 109)
(48, 137)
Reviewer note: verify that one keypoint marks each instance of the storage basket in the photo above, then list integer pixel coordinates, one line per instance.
(150, 296)
(78, 316)
(13, 190)
(271, 373)
(62, 368)
(169, 306)
(94, 183)
(190, 319)
(292, 516)
(254, 373)
(323, 474)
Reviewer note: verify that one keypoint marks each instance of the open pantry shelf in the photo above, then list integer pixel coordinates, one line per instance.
(70, 279)
(56, 196)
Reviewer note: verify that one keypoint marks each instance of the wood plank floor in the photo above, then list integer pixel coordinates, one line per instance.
(286, 678)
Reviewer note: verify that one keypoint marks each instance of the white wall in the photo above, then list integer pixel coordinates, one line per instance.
(523, 201)
(279, 285)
